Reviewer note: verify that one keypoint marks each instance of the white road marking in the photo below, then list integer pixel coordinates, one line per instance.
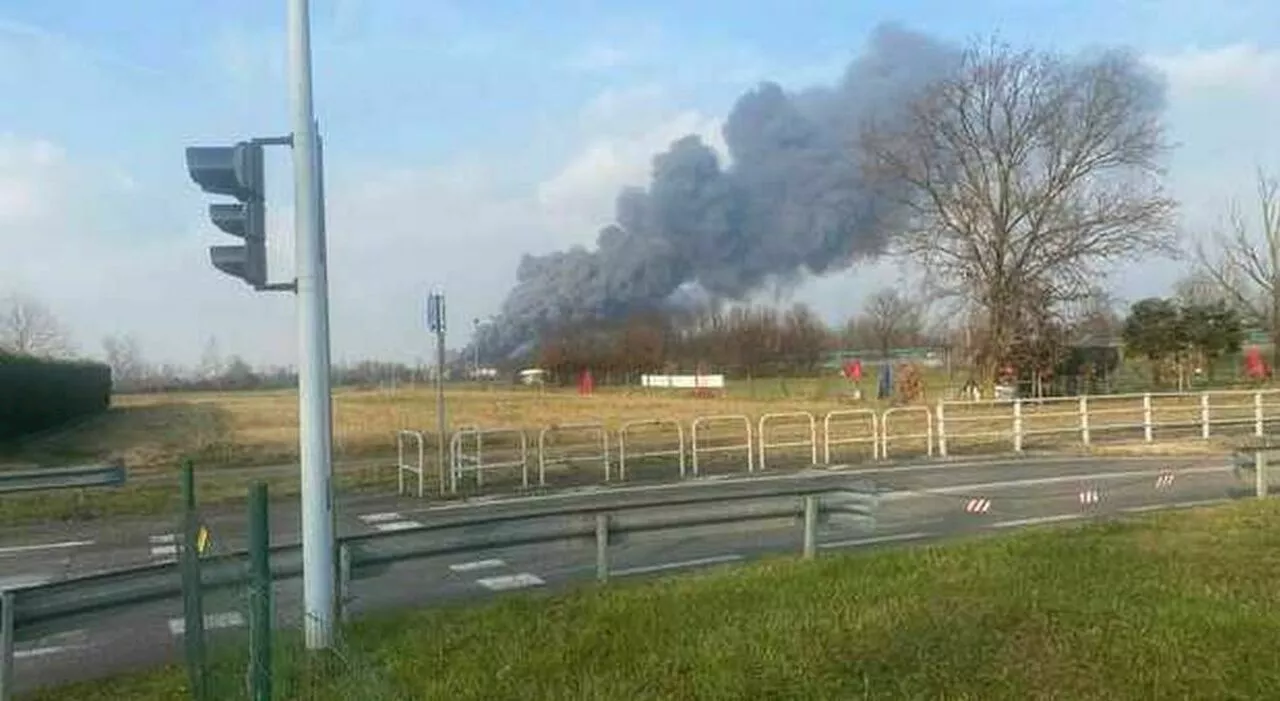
(662, 567)
(212, 621)
(859, 469)
(164, 551)
(476, 565)
(40, 652)
(19, 581)
(892, 538)
(1176, 505)
(1038, 519)
(381, 517)
(15, 549)
(397, 526)
(163, 538)
(511, 581)
(1036, 481)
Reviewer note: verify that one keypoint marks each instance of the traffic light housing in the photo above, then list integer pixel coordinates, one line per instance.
(238, 172)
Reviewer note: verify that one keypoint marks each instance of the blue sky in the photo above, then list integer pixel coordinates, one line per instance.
(460, 135)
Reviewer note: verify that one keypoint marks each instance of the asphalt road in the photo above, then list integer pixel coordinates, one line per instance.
(919, 503)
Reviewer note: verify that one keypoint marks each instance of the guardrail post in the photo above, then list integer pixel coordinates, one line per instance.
(1146, 417)
(1084, 419)
(1204, 415)
(344, 582)
(192, 588)
(1258, 424)
(810, 527)
(942, 432)
(602, 547)
(1017, 425)
(259, 595)
(6, 645)
(1260, 473)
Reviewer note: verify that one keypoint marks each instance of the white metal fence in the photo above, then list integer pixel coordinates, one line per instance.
(948, 428)
(599, 436)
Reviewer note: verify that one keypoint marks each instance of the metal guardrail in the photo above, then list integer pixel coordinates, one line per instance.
(44, 609)
(936, 430)
(601, 438)
(111, 475)
(402, 439)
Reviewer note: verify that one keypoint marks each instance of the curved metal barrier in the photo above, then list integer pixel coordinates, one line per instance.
(478, 465)
(403, 467)
(594, 427)
(764, 444)
(704, 420)
(622, 444)
(927, 435)
(873, 439)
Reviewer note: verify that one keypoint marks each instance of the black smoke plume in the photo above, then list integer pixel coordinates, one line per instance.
(790, 203)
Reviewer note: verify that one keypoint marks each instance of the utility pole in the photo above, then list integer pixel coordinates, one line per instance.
(315, 418)
(475, 345)
(436, 325)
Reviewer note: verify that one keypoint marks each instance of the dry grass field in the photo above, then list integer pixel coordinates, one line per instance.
(229, 434)
(153, 433)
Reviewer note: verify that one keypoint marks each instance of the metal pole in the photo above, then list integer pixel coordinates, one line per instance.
(602, 547)
(314, 409)
(475, 346)
(442, 431)
(810, 527)
(6, 645)
(192, 587)
(260, 618)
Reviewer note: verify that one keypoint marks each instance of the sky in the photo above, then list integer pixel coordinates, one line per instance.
(459, 136)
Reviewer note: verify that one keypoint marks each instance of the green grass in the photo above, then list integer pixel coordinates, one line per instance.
(1177, 605)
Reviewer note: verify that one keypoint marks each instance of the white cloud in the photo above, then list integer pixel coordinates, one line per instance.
(1236, 67)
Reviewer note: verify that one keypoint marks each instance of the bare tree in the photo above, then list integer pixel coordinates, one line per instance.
(1246, 268)
(1023, 175)
(124, 355)
(28, 327)
(892, 319)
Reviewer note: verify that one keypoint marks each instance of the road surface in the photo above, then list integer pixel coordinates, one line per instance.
(920, 502)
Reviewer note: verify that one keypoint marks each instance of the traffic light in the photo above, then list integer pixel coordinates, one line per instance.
(235, 171)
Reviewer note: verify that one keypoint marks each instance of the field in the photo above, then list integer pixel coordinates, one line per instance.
(229, 435)
(1176, 605)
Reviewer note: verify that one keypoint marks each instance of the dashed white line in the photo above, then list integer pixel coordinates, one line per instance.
(1038, 519)
(15, 549)
(212, 621)
(39, 652)
(389, 521)
(511, 581)
(476, 565)
(164, 546)
(1176, 505)
(397, 526)
(872, 540)
(662, 567)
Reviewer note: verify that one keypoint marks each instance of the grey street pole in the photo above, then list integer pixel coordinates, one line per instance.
(315, 429)
(475, 345)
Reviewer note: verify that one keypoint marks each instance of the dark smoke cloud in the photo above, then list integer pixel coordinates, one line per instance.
(791, 203)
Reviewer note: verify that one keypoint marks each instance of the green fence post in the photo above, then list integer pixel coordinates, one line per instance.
(259, 595)
(7, 602)
(192, 594)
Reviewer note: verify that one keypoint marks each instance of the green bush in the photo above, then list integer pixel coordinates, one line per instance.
(37, 394)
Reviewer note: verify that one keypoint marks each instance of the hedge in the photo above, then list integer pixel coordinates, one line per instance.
(37, 394)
